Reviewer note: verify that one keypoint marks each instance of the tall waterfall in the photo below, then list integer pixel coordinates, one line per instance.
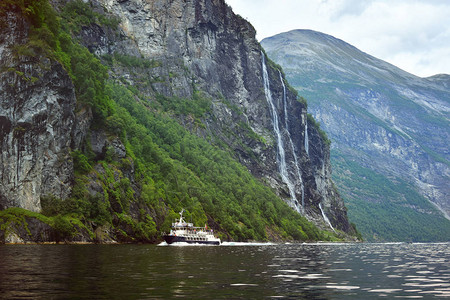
(281, 157)
(297, 167)
(306, 137)
(325, 217)
(284, 103)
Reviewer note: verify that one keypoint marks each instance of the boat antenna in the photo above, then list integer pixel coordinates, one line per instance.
(181, 215)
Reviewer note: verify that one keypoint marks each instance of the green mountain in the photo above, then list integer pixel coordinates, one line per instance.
(115, 115)
(389, 132)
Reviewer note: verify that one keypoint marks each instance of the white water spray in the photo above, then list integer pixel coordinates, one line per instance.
(281, 157)
(297, 167)
(325, 217)
(284, 102)
(306, 137)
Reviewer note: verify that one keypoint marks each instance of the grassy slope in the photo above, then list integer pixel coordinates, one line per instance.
(387, 209)
(383, 209)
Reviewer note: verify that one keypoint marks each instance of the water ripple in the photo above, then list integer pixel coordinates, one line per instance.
(242, 271)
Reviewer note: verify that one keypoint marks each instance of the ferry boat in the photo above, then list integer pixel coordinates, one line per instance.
(183, 232)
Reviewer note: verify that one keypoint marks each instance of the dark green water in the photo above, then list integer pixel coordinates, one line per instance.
(296, 271)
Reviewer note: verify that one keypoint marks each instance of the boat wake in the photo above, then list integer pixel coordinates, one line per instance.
(246, 244)
(183, 244)
(226, 244)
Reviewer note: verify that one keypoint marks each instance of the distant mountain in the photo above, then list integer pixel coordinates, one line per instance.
(442, 79)
(389, 131)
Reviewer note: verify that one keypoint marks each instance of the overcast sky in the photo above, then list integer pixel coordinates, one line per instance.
(413, 35)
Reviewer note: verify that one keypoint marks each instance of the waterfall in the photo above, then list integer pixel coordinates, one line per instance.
(325, 217)
(306, 137)
(284, 102)
(297, 167)
(281, 158)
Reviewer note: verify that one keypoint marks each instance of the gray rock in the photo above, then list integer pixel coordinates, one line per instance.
(196, 45)
(379, 117)
(203, 43)
(37, 104)
(99, 143)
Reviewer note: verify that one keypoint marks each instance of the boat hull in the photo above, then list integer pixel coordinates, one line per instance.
(170, 239)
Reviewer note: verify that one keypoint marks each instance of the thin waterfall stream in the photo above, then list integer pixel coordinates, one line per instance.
(306, 137)
(281, 155)
(297, 167)
(325, 217)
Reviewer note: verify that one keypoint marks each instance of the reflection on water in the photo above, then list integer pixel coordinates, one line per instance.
(246, 271)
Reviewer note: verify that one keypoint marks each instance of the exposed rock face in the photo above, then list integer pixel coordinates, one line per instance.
(37, 104)
(378, 116)
(202, 45)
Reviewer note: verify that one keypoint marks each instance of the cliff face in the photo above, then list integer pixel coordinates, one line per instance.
(203, 45)
(37, 117)
(389, 130)
(198, 46)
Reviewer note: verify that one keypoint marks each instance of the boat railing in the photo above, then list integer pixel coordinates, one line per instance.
(178, 224)
(193, 229)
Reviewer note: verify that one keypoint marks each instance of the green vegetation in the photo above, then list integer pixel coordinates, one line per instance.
(301, 99)
(196, 107)
(17, 219)
(364, 190)
(166, 168)
(387, 209)
(48, 37)
(316, 125)
(17, 215)
(44, 26)
(77, 13)
(393, 222)
(188, 172)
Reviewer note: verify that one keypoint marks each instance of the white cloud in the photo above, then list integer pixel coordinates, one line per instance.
(411, 34)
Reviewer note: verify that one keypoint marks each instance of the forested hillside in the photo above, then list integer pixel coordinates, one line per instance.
(134, 159)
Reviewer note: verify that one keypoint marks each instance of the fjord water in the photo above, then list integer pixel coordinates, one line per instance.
(230, 271)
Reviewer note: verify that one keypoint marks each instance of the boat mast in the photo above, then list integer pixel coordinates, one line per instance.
(181, 216)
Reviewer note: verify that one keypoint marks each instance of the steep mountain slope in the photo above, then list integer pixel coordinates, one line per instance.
(189, 95)
(390, 133)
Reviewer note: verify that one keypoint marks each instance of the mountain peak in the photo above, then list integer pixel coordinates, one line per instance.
(335, 54)
(442, 79)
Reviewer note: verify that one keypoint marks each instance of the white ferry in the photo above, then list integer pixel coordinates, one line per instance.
(183, 232)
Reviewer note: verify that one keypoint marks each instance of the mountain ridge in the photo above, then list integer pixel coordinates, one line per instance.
(391, 122)
(320, 37)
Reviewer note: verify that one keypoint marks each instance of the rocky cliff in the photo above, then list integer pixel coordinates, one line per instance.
(189, 48)
(203, 44)
(37, 117)
(389, 130)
